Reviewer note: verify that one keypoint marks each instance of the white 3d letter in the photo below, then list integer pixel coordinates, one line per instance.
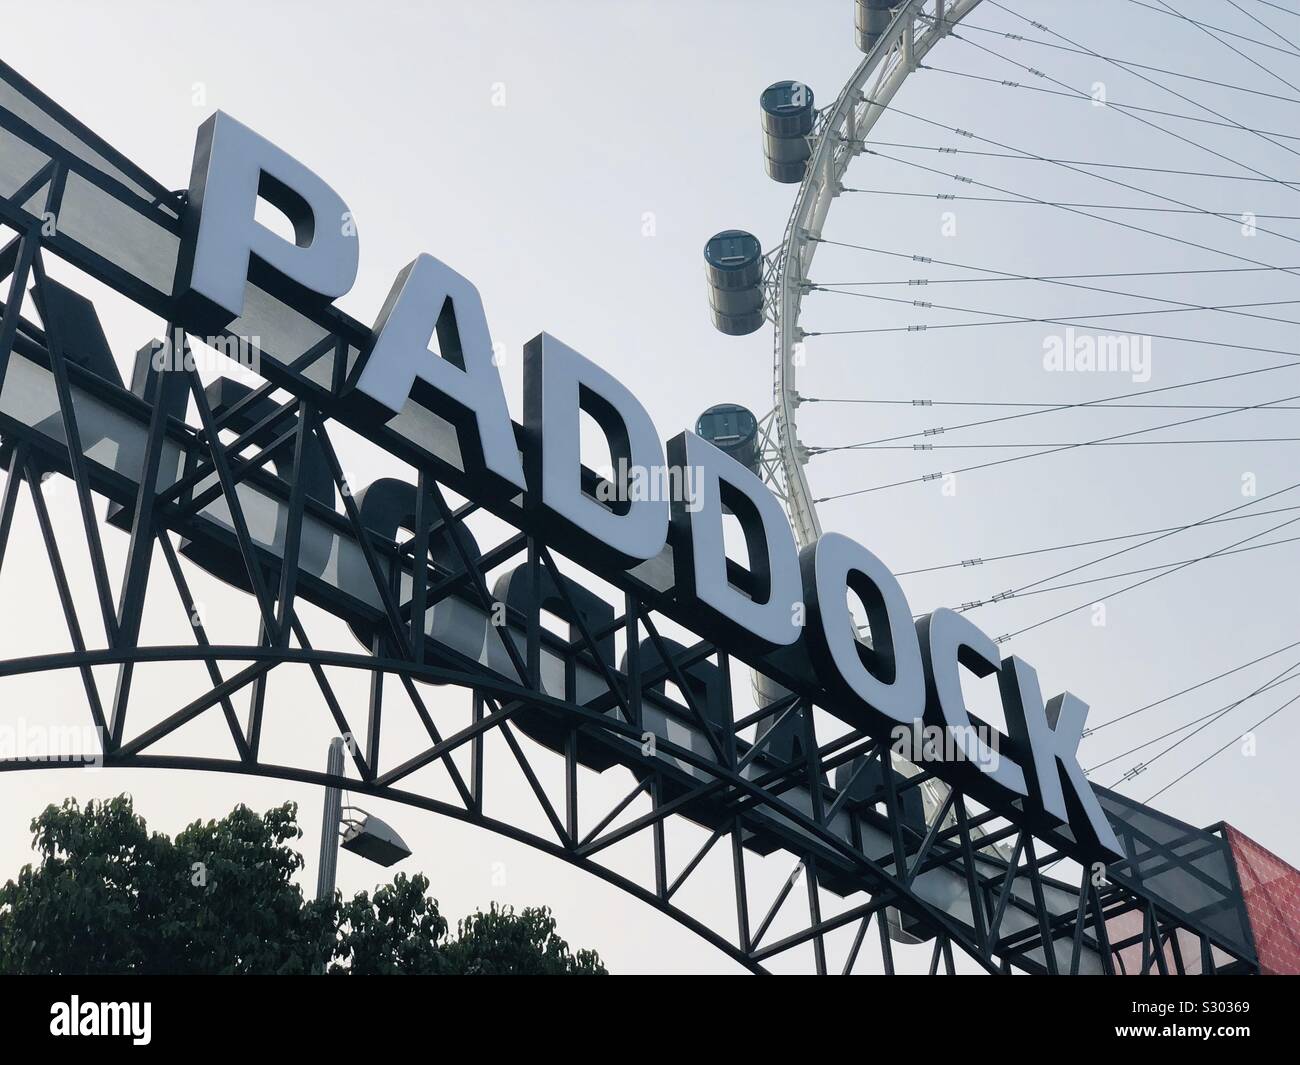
(1051, 734)
(558, 385)
(462, 385)
(233, 166)
(716, 481)
(950, 641)
(888, 675)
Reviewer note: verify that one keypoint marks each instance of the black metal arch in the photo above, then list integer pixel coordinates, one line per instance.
(574, 851)
(502, 828)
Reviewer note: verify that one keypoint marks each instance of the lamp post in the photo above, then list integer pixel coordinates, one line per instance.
(366, 835)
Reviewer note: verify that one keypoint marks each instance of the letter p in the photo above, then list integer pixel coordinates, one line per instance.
(233, 166)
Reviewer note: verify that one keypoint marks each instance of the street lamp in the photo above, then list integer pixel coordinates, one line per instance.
(367, 835)
(372, 838)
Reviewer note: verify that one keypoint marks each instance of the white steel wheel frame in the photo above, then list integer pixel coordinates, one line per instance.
(840, 138)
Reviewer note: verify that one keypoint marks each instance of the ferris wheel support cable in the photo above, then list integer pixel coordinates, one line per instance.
(1063, 280)
(1039, 26)
(1260, 22)
(1101, 404)
(1168, 698)
(1145, 581)
(984, 560)
(831, 449)
(1216, 83)
(1011, 403)
(1184, 726)
(1089, 770)
(1218, 715)
(1135, 111)
(1161, 568)
(1142, 77)
(1022, 320)
(1214, 754)
(1132, 65)
(1278, 7)
(948, 150)
(1048, 44)
(949, 197)
(1233, 48)
(968, 607)
(1212, 519)
(1039, 587)
(1037, 454)
(1006, 318)
(1205, 25)
(965, 179)
(1223, 120)
(1234, 219)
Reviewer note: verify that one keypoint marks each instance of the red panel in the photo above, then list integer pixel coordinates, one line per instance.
(1271, 888)
(1128, 960)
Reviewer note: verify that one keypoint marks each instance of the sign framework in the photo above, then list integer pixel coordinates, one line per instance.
(62, 409)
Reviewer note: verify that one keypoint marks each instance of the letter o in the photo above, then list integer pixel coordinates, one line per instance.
(888, 676)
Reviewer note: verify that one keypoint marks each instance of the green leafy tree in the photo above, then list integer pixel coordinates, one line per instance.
(109, 896)
(501, 941)
(398, 931)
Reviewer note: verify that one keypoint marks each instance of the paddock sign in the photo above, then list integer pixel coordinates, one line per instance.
(657, 522)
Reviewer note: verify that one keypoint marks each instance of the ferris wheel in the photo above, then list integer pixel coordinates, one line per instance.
(813, 148)
(1186, 219)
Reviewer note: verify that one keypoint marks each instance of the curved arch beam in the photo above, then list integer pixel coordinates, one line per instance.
(817, 839)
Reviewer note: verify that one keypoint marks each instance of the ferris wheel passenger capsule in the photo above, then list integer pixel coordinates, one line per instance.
(870, 20)
(788, 116)
(732, 429)
(733, 264)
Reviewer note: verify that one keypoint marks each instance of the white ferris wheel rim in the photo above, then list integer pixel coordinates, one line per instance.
(840, 137)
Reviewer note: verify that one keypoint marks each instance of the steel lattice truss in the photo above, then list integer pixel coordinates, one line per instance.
(946, 879)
